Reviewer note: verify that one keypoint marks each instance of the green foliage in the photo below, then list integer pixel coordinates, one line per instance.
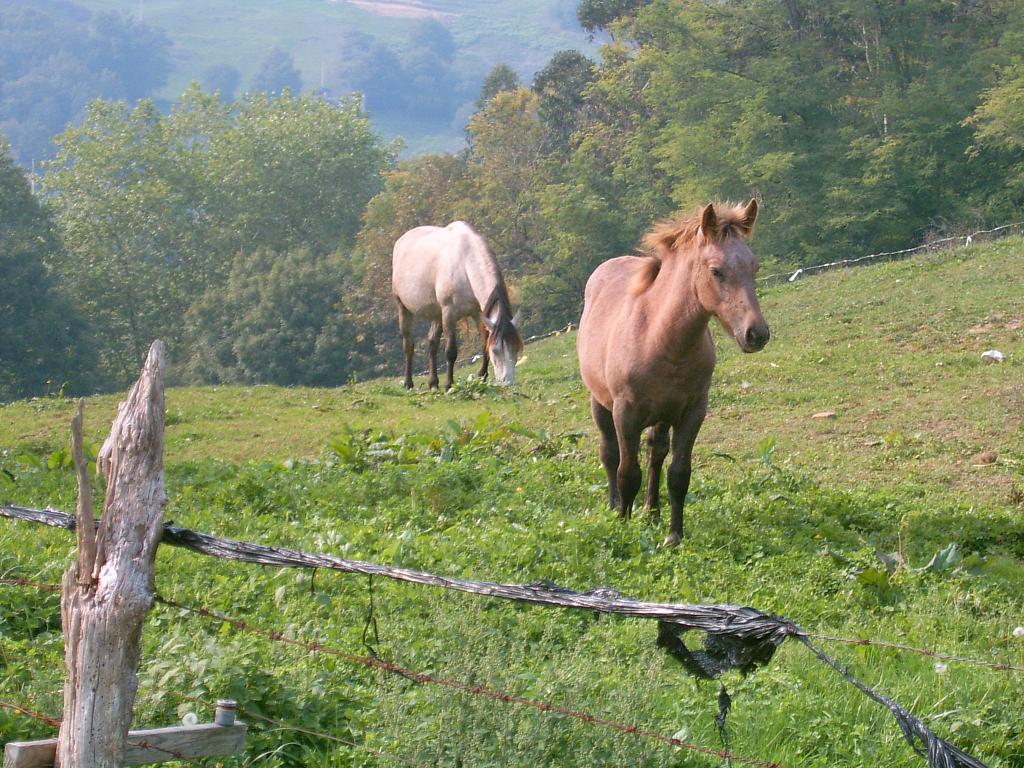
(277, 74)
(161, 205)
(562, 87)
(271, 322)
(600, 14)
(56, 57)
(44, 342)
(500, 79)
(506, 163)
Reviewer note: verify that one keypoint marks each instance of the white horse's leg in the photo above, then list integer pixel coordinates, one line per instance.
(408, 345)
(484, 333)
(449, 323)
(433, 342)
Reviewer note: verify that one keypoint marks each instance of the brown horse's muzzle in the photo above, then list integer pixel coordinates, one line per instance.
(754, 338)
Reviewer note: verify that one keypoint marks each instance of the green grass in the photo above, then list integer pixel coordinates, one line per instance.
(788, 514)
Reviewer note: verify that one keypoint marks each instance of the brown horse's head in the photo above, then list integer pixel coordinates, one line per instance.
(724, 267)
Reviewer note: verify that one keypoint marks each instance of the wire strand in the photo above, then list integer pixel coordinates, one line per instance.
(479, 690)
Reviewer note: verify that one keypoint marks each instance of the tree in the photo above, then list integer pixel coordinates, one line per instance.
(158, 205)
(44, 344)
(849, 109)
(222, 79)
(998, 120)
(370, 67)
(270, 322)
(501, 78)
(599, 14)
(562, 86)
(55, 57)
(506, 162)
(291, 171)
(277, 74)
(431, 88)
(123, 188)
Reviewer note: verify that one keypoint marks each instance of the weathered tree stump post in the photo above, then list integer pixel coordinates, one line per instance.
(108, 592)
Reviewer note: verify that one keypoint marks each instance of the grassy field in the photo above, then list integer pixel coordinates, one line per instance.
(792, 511)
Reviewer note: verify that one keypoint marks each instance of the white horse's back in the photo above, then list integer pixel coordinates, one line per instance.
(443, 274)
(434, 267)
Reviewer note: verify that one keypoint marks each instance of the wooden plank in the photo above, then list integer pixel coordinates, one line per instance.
(153, 745)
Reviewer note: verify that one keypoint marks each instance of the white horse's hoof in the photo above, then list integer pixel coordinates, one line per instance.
(672, 540)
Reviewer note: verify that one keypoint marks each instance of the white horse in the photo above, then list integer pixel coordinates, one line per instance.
(444, 274)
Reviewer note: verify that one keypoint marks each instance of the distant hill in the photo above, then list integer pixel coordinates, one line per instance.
(420, 62)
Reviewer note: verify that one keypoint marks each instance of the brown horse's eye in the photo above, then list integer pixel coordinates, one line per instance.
(717, 273)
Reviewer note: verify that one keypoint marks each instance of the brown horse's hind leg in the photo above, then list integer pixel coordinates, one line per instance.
(657, 450)
(484, 334)
(609, 448)
(627, 430)
(683, 436)
(433, 343)
(451, 347)
(408, 345)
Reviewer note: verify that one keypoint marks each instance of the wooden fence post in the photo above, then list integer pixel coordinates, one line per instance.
(108, 592)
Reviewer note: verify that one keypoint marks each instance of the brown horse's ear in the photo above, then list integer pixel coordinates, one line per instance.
(709, 222)
(749, 217)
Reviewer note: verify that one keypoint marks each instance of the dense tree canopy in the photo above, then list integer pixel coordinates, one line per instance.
(277, 74)
(57, 56)
(44, 346)
(160, 205)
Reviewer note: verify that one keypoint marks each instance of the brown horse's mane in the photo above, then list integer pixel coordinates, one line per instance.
(668, 236)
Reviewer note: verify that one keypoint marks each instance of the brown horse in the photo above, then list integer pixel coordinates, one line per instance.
(645, 348)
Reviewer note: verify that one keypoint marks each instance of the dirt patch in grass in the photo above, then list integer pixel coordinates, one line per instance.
(404, 10)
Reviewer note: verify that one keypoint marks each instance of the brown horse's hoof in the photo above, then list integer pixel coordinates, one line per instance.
(672, 540)
(654, 513)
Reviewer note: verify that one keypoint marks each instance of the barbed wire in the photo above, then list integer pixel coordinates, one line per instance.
(281, 725)
(478, 690)
(997, 665)
(1000, 666)
(53, 722)
(737, 636)
(852, 641)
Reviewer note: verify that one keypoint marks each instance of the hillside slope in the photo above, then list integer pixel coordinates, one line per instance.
(882, 522)
(893, 350)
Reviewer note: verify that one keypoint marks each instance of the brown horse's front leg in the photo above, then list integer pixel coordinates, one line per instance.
(609, 450)
(683, 436)
(657, 450)
(627, 430)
